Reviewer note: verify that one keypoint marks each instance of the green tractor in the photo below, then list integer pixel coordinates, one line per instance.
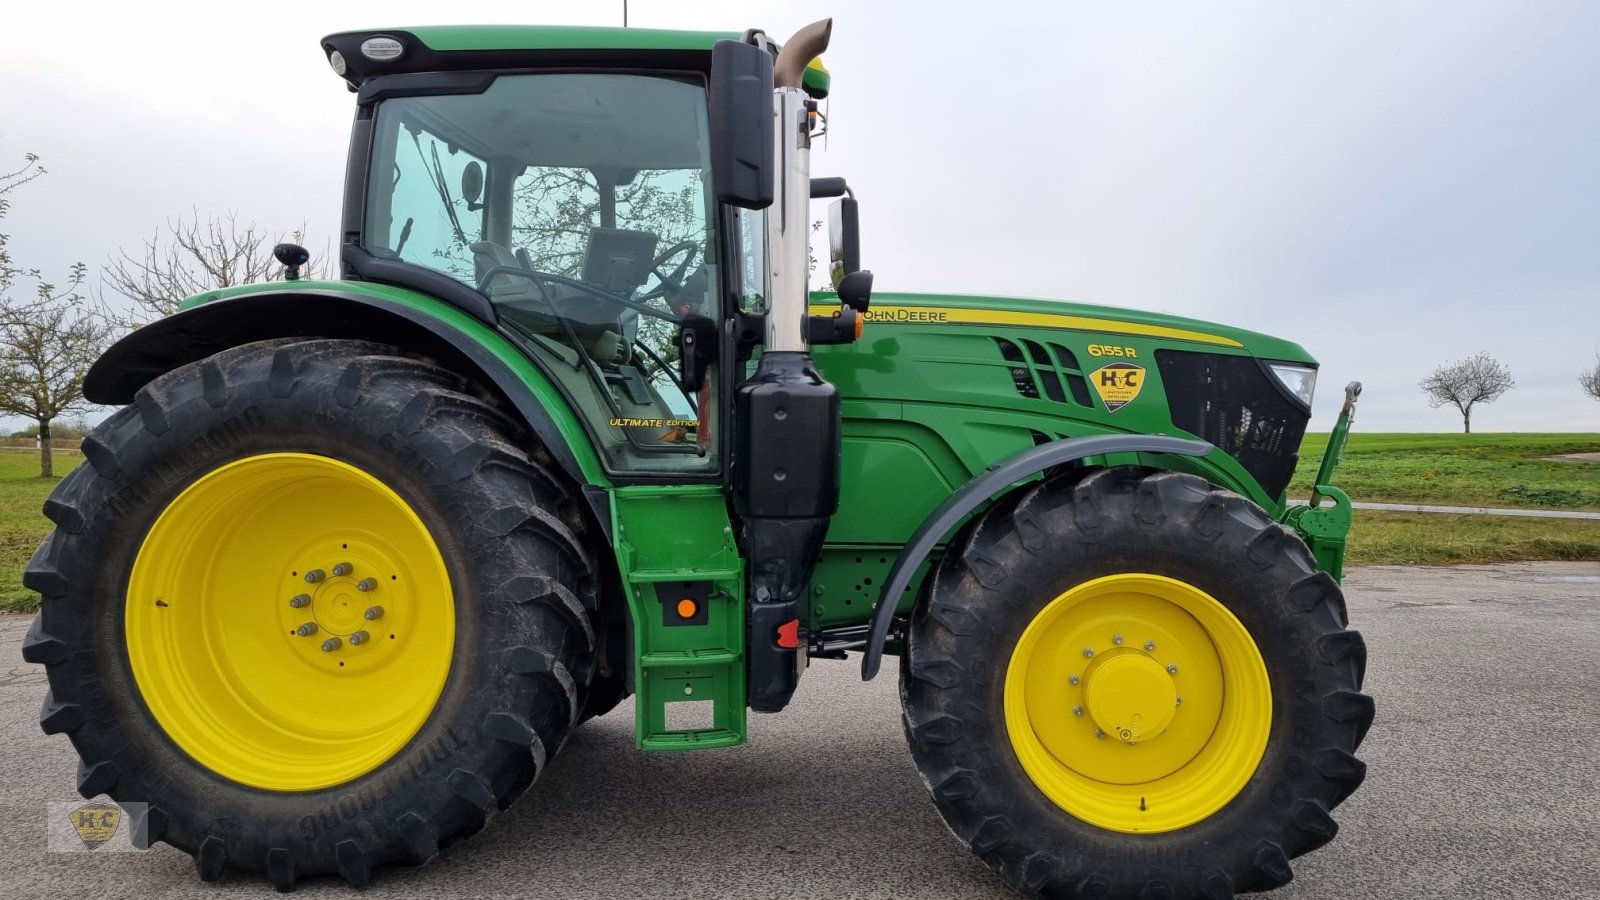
(354, 558)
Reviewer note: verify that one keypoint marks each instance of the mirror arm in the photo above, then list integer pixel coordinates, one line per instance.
(826, 188)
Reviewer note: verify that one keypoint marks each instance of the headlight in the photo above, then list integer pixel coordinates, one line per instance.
(1300, 381)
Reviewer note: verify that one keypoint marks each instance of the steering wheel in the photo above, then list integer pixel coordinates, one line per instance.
(671, 283)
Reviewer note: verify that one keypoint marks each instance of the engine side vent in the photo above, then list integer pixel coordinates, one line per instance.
(1074, 372)
(1048, 371)
(1021, 376)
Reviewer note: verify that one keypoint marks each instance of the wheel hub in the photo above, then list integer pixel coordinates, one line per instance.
(344, 602)
(337, 607)
(1130, 696)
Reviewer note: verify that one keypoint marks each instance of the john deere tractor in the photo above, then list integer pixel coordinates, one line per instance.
(354, 558)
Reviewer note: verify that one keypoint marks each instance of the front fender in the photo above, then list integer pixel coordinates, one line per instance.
(977, 492)
(351, 310)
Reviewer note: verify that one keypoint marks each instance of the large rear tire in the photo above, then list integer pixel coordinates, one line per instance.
(313, 607)
(1134, 686)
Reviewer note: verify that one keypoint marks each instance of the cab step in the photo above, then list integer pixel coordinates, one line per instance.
(685, 584)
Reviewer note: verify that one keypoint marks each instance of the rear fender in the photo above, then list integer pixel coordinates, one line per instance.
(410, 321)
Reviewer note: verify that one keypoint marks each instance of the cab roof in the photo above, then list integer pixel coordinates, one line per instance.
(433, 48)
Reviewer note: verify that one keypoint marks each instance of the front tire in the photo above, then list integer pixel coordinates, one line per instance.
(342, 489)
(1134, 686)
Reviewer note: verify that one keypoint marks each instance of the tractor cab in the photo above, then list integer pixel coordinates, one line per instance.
(580, 202)
(580, 205)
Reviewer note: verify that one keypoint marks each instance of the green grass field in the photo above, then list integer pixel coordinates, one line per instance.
(1387, 538)
(1461, 470)
(1476, 470)
(22, 526)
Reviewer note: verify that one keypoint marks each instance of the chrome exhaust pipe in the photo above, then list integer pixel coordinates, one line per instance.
(788, 231)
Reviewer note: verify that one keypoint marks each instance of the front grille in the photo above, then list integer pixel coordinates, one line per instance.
(1237, 405)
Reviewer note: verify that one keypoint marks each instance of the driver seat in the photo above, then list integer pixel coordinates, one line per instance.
(502, 288)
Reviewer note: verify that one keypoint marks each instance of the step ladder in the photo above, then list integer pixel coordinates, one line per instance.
(684, 581)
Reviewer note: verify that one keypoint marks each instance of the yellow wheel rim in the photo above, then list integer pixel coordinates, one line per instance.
(227, 621)
(1138, 703)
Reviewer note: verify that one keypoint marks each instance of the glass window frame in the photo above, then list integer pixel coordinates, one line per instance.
(366, 158)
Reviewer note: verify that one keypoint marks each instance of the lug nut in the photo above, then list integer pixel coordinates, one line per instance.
(331, 644)
(300, 601)
(1088, 653)
(358, 638)
(1179, 703)
(366, 584)
(1149, 646)
(1073, 679)
(373, 613)
(1099, 734)
(1172, 668)
(1077, 710)
(306, 630)
(1116, 639)
(343, 568)
(315, 575)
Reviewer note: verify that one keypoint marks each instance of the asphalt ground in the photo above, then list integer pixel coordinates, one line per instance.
(1484, 769)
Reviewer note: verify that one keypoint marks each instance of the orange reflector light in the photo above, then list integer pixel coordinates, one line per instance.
(686, 608)
(861, 322)
(789, 634)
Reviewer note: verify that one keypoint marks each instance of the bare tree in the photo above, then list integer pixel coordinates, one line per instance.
(46, 348)
(192, 256)
(1590, 380)
(10, 181)
(48, 340)
(1477, 379)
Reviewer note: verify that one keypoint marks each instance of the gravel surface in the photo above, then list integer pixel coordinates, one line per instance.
(1484, 765)
(1479, 510)
(1577, 457)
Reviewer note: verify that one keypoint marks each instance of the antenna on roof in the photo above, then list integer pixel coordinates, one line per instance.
(624, 13)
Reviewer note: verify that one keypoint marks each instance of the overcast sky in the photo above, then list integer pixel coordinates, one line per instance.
(1393, 185)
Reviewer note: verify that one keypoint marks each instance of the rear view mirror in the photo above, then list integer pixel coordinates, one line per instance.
(741, 124)
(472, 184)
(844, 240)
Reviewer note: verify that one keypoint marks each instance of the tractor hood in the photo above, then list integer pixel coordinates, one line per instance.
(1021, 372)
(1109, 321)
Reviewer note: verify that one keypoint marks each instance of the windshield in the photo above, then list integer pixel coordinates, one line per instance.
(580, 205)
